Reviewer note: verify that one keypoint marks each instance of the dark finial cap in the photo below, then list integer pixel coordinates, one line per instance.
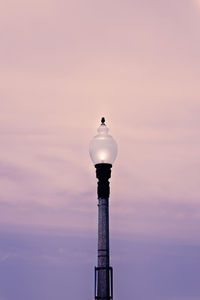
(103, 121)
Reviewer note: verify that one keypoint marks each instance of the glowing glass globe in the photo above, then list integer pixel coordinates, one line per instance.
(103, 148)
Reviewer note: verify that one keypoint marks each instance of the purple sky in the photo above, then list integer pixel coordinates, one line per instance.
(64, 65)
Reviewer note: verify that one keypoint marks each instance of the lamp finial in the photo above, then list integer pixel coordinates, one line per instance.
(103, 121)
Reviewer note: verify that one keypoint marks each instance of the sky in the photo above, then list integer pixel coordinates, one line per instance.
(63, 66)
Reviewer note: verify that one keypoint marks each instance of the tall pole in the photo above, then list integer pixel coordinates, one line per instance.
(103, 152)
(103, 273)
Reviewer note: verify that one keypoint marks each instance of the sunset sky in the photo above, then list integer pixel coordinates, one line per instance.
(63, 66)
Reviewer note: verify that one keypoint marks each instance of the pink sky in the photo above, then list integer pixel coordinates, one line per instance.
(64, 65)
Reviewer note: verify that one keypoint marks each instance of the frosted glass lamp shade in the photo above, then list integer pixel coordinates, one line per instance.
(103, 148)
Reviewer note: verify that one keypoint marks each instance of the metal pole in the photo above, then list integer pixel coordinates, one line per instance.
(104, 271)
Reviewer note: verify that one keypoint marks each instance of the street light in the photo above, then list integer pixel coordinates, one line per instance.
(103, 152)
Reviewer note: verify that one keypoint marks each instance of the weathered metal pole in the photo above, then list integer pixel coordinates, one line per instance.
(103, 152)
(103, 273)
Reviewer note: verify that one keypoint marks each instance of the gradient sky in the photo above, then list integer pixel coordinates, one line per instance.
(64, 65)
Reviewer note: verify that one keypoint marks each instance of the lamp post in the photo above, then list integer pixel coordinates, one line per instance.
(103, 151)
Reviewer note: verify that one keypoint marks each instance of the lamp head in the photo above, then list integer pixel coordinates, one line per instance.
(103, 148)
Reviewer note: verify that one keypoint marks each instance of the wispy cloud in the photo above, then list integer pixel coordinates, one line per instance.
(63, 66)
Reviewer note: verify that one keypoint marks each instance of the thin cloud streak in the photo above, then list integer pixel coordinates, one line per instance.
(63, 66)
